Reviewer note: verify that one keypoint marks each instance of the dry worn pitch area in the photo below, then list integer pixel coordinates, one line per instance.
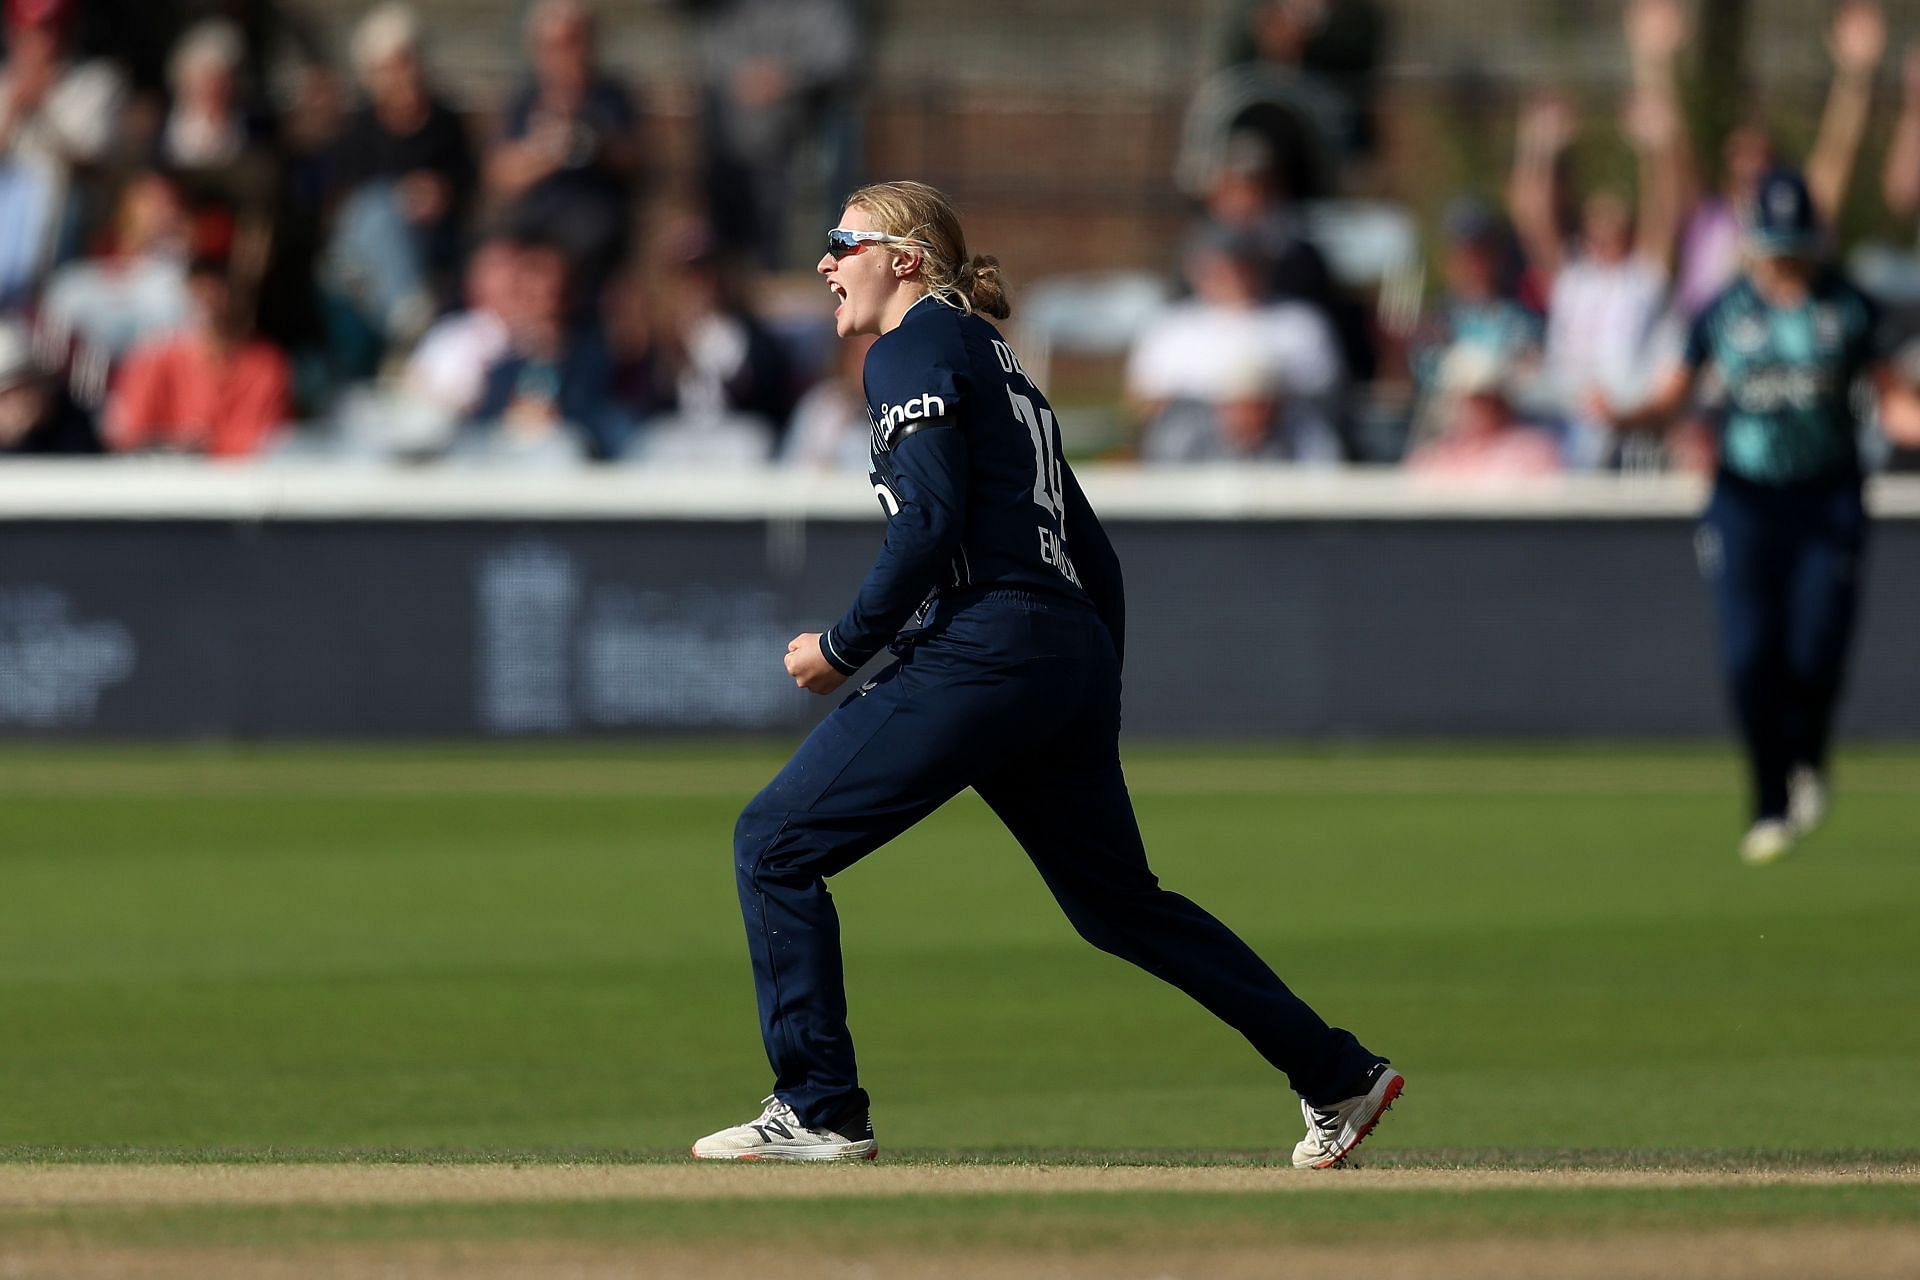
(74, 1220)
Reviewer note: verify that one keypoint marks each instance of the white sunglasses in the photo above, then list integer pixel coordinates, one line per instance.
(842, 241)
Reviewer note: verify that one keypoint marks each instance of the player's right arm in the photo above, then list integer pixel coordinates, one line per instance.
(1668, 401)
(923, 533)
(916, 383)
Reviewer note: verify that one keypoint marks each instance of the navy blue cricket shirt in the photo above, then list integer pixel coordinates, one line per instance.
(968, 466)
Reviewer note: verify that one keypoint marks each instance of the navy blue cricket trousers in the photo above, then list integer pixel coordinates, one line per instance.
(1019, 699)
(1785, 564)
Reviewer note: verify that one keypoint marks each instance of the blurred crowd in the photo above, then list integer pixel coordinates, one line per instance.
(215, 239)
(1542, 306)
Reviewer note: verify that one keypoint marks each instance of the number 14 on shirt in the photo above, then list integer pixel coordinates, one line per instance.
(1047, 489)
(1049, 493)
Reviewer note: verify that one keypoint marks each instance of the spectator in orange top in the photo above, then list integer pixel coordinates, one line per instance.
(212, 388)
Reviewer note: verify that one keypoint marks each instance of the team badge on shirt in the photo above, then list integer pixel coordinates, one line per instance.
(1747, 335)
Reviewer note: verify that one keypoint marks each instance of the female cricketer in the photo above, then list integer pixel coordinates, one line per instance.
(1783, 535)
(1000, 596)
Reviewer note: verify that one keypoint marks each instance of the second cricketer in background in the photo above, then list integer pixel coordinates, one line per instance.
(1784, 534)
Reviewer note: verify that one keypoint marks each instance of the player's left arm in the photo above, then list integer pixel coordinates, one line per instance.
(1894, 398)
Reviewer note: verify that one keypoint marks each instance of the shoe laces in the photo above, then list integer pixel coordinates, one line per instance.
(773, 1108)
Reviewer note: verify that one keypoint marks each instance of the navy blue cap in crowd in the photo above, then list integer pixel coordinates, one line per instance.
(1781, 220)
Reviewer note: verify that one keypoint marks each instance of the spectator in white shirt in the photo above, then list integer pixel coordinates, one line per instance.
(445, 376)
(1221, 375)
(1601, 315)
(449, 366)
(135, 291)
(1608, 286)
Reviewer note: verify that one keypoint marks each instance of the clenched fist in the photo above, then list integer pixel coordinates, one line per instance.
(809, 667)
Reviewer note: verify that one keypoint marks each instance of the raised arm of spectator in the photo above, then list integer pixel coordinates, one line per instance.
(764, 52)
(1654, 127)
(1901, 182)
(516, 162)
(1546, 130)
(1656, 31)
(1856, 41)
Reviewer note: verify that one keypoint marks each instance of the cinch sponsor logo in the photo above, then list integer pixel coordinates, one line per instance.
(927, 406)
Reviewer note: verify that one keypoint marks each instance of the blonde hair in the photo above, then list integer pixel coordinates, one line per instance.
(924, 215)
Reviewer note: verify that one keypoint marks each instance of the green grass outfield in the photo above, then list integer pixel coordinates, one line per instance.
(534, 954)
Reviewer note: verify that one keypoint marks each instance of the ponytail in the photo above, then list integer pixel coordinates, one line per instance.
(984, 286)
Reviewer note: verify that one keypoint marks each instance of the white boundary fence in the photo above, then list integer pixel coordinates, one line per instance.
(149, 489)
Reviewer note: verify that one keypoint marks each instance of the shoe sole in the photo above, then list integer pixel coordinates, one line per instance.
(1765, 860)
(1395, 1085)
(852, 1151)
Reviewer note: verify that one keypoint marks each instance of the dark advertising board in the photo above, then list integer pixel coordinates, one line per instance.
(1309, 628)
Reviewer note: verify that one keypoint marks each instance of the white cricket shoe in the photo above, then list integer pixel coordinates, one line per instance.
(779, 1135)
(1333, 1132)
(1806, 798)
(1768, 840)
